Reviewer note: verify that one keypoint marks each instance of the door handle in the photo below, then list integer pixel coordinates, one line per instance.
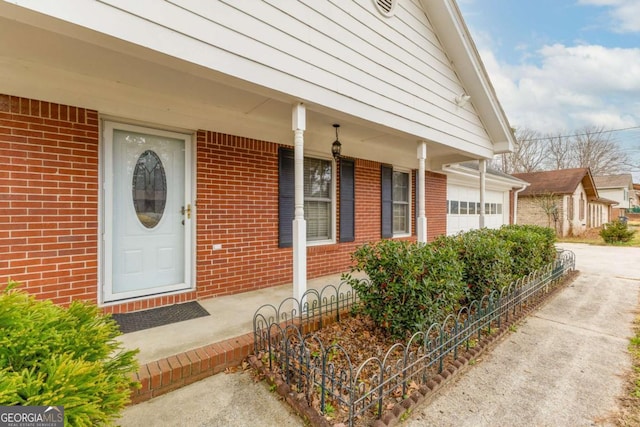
(186, 211)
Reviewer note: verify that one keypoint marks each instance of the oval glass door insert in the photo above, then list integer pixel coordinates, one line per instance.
(149, 189)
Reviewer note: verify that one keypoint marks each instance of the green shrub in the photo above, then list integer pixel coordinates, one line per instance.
(486, 261)
(50, 355)
(409, 284)
(616, 232)
(532, 247)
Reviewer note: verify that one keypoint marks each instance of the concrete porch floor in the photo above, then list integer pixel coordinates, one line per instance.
(178, 354)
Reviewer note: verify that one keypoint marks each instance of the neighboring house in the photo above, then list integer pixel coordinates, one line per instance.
(618, 188)
(463, 197)
(566, 200)
(156, 153)
(636, 201)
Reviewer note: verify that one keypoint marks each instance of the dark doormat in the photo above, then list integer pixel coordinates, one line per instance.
(139, 320)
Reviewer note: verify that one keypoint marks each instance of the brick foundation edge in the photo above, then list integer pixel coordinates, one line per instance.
(170, 373)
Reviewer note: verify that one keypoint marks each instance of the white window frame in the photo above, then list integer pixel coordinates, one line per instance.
(409, 204)
(332, 209)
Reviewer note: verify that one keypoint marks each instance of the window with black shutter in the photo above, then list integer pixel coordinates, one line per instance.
(318, 198)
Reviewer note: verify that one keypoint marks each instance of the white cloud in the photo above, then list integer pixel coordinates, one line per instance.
(625, 14)
(572, 87)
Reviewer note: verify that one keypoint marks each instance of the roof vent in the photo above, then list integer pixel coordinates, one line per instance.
(386, 7)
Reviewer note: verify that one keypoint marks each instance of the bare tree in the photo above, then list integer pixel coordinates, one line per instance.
(590, 146)
(558, 152)
(594, 147)
(528, 154)
(548, 202)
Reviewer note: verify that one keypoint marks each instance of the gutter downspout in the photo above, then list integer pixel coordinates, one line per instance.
(515, 203)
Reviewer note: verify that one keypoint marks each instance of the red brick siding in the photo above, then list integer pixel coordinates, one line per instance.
(49, 198)
(49, 209)
(237, 205)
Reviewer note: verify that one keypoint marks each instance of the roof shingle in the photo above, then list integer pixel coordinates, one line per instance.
(562, 181)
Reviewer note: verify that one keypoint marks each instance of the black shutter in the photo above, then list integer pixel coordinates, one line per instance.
(386, 190)
(286, 194)
(347, 200)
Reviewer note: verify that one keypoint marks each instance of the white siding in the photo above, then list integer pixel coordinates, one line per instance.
(337, 54)
(616, 194)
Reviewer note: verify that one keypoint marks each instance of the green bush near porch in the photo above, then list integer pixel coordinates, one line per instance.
(410, 284)
(486, 261)
(50, 356)
(531, 247)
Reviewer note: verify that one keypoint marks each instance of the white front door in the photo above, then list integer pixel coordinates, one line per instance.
(148, 215)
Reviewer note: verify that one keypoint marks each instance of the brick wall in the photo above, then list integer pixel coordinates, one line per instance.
(238, 209)
(49, 198)
(49, 209)
(531, 212)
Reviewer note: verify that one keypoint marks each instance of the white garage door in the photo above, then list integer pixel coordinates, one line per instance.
(463, 208)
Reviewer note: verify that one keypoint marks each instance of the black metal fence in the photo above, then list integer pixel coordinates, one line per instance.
(284, 336)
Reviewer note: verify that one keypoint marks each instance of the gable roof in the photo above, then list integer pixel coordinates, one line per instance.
(454, 34)
(614, 181)
(562, 181)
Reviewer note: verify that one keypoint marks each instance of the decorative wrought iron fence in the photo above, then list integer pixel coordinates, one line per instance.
(284, 335)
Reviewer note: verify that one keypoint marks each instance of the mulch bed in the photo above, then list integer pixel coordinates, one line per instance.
(361, 339)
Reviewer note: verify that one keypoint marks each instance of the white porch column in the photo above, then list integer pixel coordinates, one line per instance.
(421, 226)
(482, 167)
(298, 117)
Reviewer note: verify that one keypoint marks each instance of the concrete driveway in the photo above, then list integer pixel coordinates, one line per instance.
(562, 367)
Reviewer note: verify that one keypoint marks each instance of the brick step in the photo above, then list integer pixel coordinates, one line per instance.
(168, 374)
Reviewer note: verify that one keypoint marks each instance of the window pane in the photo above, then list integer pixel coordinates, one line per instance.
(400, 218)
(149, 189)
(317, 178)
(400, 202)
(472, 208)
(400, 187)
(317, 198)
(463, 208)
(454, 206)
(318, 217)
(500, 208)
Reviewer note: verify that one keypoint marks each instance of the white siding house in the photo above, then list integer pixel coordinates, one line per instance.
(242, 96)
(618, 188)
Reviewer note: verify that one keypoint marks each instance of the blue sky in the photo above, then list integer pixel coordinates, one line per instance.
(560, 65)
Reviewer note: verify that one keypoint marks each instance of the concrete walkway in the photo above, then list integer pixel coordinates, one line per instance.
(230, 316)
(561, 367)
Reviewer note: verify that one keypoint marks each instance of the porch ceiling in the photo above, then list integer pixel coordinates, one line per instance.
(59, 62)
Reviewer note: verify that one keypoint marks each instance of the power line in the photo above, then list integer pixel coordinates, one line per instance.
(583, 134)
